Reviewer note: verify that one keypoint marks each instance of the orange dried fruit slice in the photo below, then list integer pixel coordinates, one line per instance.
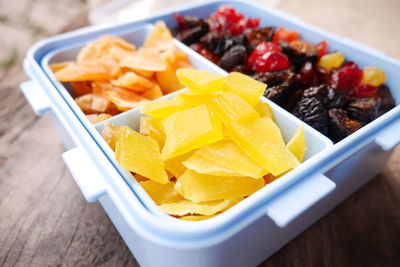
(133, 81)
(145, 59)
(153, 93)
(91, 103)
(60, 65)
(160, 37)
(125, 99)
(197, 217)
(81, 88)
(97, 118)
(168, 80)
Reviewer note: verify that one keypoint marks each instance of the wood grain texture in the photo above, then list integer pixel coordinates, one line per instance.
(45, 221)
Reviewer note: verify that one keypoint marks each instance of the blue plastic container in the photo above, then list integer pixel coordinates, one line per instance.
(252, 230)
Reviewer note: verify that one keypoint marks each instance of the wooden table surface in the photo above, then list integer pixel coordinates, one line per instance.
(45, 221)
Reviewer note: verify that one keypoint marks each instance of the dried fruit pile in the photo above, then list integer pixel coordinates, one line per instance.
(329, 93)
(203, 151)
(111, 76)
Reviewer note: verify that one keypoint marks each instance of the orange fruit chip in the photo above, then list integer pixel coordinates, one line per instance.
(60, 65)
(134, 82)
(197, 217)
(96, 118)
(168, 80)
(160, 38)
(145, 59)
(91, 103)
(81, 88)
(185, 207)
(124, 99)
(73, 73)
(153, 93)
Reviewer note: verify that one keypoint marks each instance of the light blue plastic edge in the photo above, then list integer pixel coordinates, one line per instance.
(236, 218)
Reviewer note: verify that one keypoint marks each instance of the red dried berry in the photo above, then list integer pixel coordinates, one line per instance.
(347, 78)
(202, 50)
(322, 48)
(261, 49)
(308, 76)
(180, 20)
(239, 27)
(229, 13)
(363, 90)
(271, 61)
(253, 23)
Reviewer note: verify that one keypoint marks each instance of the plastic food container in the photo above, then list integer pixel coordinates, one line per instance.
(255, 228)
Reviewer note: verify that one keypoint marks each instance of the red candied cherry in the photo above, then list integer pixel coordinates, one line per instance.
(229, 13)
(284, 35)
(363, 90)
(322, 48)
(202, 50)
(347, 77)
(253, 23)
(243, 24)
(261, 49)
(271, 61)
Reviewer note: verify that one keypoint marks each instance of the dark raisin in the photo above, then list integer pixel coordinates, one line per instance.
(192, 35)
(336, 98)
(219, 42)
(188, 22)
(254, 37)
(364, 109)
(386, 99)
(340, 125)
(280, 85)
(237, 55)
(299, 52)
(311, 108)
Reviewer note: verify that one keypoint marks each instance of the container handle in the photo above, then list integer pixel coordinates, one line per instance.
(38, 100)
(297, 199)
(389, 137)
(85, 173)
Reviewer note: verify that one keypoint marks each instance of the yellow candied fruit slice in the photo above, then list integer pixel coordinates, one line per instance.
(197, 217)
(246, 87)
(144, 125)
(110, 134)
(200, 81)
(227, 154)
(192, 99)
(163, 108)
(161, 193)
(203, 187)
(231, 107)
(262, 141)
(140, 154)
(331, 61)
(152, 127)
(200, 164)
(297, 145)
(188, 130)
(175, 165)
(373, 76)
(185, 207)
(265, 111)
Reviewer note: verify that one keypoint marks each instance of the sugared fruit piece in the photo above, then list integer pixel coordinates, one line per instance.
(161, 193)
(297, 145)
(140, 154)
(200, 81)
(373, 76)
(331, 61)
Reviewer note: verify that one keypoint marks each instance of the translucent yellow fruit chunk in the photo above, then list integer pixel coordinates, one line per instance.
(175, 165)
(192, 99)
(231, 107)
(197, 217)
(249, 89)
(373, 76)
(265, 110)
(297, 145)
(227, 154)
(200, 81)
(200, 164)
(203, 187)
(152, 127)
(110, 134)
(331, 61)
(140, 154)
(185, 207)
(188, 130)
(161, 193)
(262, 141)
(163, 108)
